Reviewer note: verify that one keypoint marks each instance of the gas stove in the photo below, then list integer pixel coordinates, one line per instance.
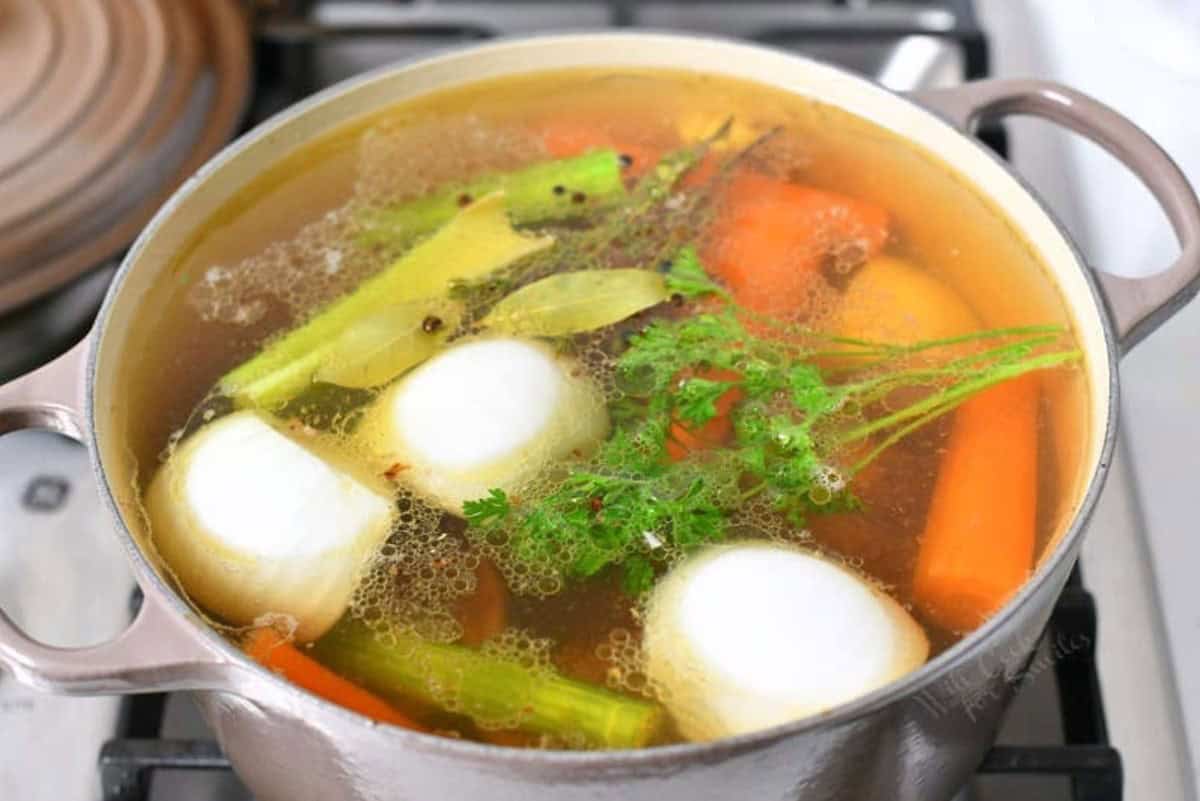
(1054, 743)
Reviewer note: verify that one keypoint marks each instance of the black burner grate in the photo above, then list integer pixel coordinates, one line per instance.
(288, 35)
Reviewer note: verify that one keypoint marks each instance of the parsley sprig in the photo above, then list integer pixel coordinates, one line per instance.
(686, 277)
(488, 511)
(797, 417)
(631, 505)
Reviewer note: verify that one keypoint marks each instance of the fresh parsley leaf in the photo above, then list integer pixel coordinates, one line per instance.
(696, 399)
(488, 511)
(810, 394)
(662, 350)
(760, 378)
(595, 518)
(637, 575)
(686, 276)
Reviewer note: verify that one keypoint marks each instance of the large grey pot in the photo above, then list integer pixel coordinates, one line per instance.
(915, 740)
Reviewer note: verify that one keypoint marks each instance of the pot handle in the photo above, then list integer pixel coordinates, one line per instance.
(1138, 306)
(160, 650)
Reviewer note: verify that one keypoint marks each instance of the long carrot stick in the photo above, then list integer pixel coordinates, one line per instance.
(267, 647)
(978, 542)
(977, 548)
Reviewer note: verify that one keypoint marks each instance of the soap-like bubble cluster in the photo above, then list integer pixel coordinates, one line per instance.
(516, 647)
(759, 519)
(622, 651)
(394, 155)
(323, 260)
(521, 648)
(417, 576)
(295, 275)
(532, 579)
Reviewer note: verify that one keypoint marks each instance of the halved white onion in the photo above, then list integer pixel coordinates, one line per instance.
(254, 522)
(485, 414)
(749, 636)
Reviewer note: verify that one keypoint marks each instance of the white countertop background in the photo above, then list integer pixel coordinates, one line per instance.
(1143, 554)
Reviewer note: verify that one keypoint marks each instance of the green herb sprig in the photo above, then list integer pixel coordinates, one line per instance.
(686, 277)
(630, 504)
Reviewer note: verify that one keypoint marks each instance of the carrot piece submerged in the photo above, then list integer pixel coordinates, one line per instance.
(769, 238)
(267, 647)
(564, 138)
(978, 545)
(484, 613)
(683, 439)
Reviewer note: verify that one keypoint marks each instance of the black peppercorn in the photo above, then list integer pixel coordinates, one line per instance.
(559, 189)
(432, 324)
(578, 197)
(464, 199)
(626, 160)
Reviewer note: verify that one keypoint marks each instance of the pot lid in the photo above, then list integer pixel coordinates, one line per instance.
(104, 109)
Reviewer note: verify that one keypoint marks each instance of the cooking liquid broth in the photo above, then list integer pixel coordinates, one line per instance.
(281, 249)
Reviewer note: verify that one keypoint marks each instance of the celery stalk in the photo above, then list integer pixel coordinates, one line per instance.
(550, 190)
(543, 191)
(478, 240)
(489, 688)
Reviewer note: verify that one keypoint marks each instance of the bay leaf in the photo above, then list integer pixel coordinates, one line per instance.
(571, 303)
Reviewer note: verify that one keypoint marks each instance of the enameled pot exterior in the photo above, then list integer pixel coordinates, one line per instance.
(916, 747)
(916, 739)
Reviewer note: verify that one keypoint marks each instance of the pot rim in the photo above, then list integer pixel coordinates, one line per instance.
(907, 686)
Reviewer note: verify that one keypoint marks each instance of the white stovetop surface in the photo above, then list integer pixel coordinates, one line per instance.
(1143, 551)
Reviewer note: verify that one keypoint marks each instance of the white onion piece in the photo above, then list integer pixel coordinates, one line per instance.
(485, 414)
(252, 522)
(749, 636)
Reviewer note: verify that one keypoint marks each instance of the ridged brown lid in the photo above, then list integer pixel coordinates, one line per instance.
(105, 107)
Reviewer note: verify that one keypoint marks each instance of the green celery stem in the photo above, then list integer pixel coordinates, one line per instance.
(551, 190)
(285, 367)
(489, 688)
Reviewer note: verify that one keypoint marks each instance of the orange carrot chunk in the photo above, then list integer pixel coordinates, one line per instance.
(978, 545)
(267, 647)
(769, 238)
(683, 439)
